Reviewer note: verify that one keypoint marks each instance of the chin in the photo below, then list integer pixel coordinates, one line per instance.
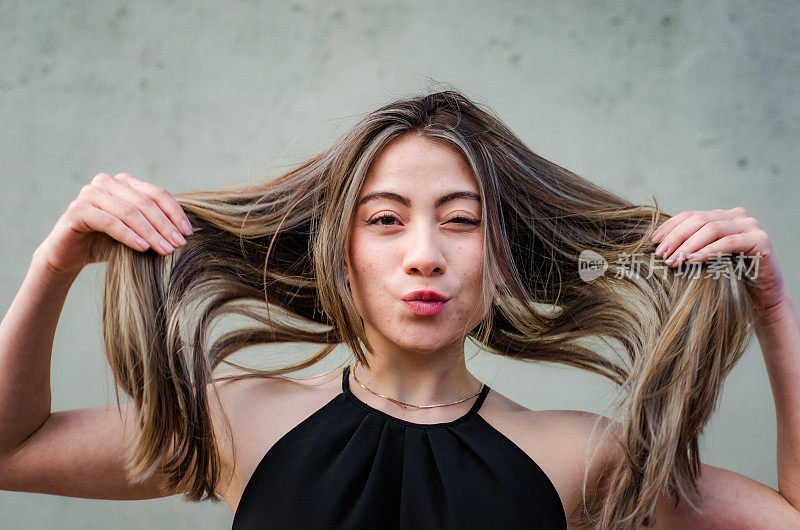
(420, 347)
(423, 340)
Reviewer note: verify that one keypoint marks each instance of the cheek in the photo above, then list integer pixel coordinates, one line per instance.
(472, 265)
(367, 277)
(472, 307)
(371, 294)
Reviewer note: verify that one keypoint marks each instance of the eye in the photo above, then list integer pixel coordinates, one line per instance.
(466, 220)
(379, 218)
(459, 220)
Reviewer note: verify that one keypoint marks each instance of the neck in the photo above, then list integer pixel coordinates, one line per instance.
(420, 382)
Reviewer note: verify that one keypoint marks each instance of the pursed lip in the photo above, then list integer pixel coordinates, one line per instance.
(426, 295)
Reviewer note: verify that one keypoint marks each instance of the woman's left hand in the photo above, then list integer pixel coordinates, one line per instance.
(709, 232)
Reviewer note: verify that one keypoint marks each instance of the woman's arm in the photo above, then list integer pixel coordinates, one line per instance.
(732, 500)
(26, 342)
(728, 499)
(778, 333)
(78, 452)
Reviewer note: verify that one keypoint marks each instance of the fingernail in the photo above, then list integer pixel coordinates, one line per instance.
(187, 228)
(178, 238)
(166, 247)
(693, 255)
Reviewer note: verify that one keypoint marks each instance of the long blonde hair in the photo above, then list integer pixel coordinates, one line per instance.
(274, 252)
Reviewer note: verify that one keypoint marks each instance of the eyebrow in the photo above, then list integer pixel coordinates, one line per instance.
(405, 201)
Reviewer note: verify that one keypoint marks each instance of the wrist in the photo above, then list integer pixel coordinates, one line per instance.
(41, 265)
(778, 311)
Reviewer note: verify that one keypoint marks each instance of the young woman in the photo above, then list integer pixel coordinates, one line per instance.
(427, 223)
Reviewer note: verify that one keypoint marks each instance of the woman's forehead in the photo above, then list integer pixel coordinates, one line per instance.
(412, 153)
(420, 167)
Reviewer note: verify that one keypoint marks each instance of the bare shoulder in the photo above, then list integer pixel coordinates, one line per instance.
(251, 414)
(565, 444)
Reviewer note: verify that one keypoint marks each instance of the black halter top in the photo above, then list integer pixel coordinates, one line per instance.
(352, 466)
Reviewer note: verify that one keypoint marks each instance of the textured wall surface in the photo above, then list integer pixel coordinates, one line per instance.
(695, 102)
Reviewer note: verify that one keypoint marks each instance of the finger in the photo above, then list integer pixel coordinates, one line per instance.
(152, 212)
(163, 198)
(131, 216)
(672, 222)
(686, 227)
(705, 235)
(669, 224)
(731, 244)
(102, 221)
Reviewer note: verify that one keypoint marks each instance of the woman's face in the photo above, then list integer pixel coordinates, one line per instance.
(417, 235)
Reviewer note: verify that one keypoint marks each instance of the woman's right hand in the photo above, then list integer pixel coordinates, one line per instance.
(139, 214)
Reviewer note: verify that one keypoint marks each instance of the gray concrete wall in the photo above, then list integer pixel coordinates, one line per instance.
(695, 102)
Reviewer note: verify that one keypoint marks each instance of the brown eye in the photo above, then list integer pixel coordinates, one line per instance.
(466, 220)
(460, 220)
(379, 218)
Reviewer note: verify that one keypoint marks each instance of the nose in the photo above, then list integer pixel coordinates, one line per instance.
(423, 252)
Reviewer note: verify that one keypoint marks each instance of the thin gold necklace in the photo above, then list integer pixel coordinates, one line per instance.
(409, 404)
